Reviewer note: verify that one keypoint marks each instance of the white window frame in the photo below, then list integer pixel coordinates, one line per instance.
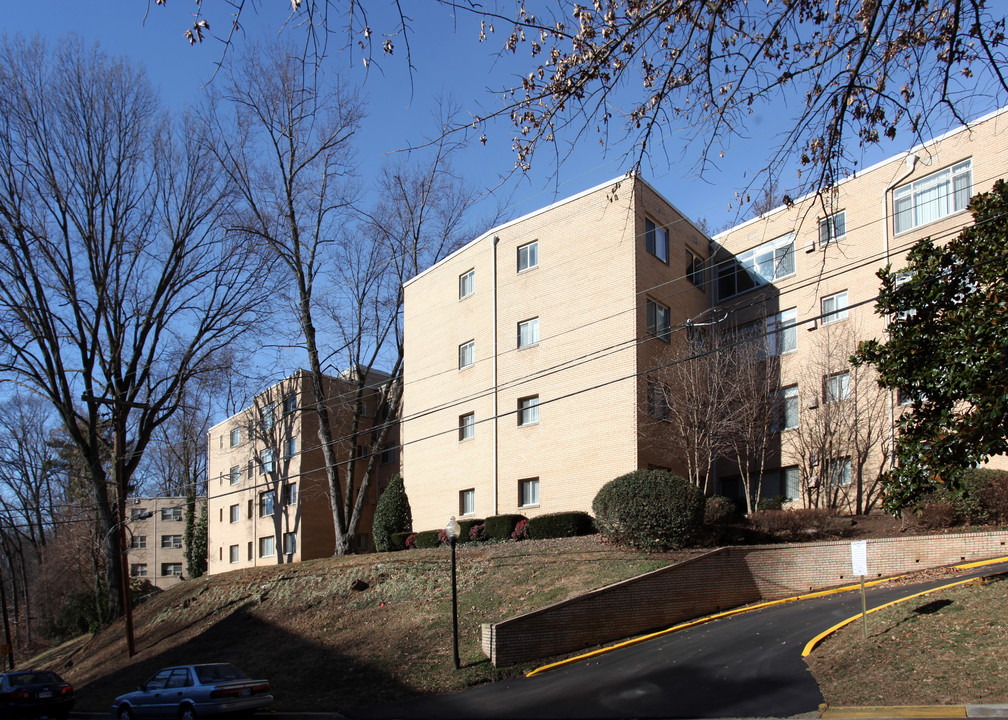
(771, 261)
(290, 447)
(268, 462)
(234, 476)
(832, 228)
(656, 240)
(782, 332)
(169, 514)
(233, 554)
(171, 569)
(234, 513)
(171, 542)
(657, 401)
(289, 543)
(138, 570)
(695, 271)
(932, 197)
(138, 542)
(290, 403)
(235, 436)
(289, 494)
(467, 354)
(528, 256)
(528, 410)
(834, 308)
(659, 320)
(267, 503)
(528, 333)
(838, 472)
(836, 386)
(267, 546)
(467, 284)
(790, 408)
(467, 426)
(268, 417)
(467, 502)
(528, 492)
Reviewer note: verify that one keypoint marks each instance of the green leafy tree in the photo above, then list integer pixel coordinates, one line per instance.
(947, 353)
(392, 514)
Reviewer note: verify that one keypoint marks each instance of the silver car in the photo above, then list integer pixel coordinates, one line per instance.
(186, 692)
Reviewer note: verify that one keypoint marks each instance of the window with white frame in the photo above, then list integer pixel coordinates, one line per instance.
(138, 542)
(834, 308)
(836, 387)
(290, 447)
(389, 454)
(528, 332)
(467, 354)
(171, 569)
(695, 270)
(933, 197)
(136, 512)
(233, 555)
(267, 546)
(838, 471)
(234, 476)
(467, 426)
(528, 492)
(528, 256)
(770, 261)
(268, 417)
(235, 436)
(782, 332)
(656, 240)
(289, 543)
(467, 284)
(790, 482)
(171, 541)
(267, 501)
(268, 462)
(290, 403)
(171, 513)
(528, 410)
(789, 407)
(657, 400)
(234, 513)
(659, 320)
(467, 502)
(832, 228)
(138, 570)
(288, 495)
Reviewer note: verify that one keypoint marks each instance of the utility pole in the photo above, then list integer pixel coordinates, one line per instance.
(9, 646)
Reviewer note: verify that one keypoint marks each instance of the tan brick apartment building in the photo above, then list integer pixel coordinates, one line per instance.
(268, 496)
(157, 550)
(528, 349)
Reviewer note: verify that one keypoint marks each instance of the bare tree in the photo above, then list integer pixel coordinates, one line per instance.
(117, 285)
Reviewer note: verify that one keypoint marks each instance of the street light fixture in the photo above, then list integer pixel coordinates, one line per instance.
(452, 531)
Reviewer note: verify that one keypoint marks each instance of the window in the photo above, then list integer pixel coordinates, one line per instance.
(290, 447)
(233, 553)
(365, 409)
(268, 464)
(171, 513)
(782, 332)
(467, 284)
(290, 403)
(467, 502)
(266, 502)
(289, 543)
(467, 426)
(789, 407)
(834, 308)
(467, 354)
(528, 256)
(790, 483)
(251, 469)
(138, 542)
(659, 322)
(288, 496)
(171, 569)
(389, 455)
(136, 512)
(657, 400)
(836, 387)
(528, 410)
(770, 261)
(268, 417)
(235, 475)
(138, 570)
(267, 546)
(251, 505)
(694, 270)
(171, 541)
(933, 197)
(528, 492)
(838, 472)
(656, 240)
(249, 549)
(528, 332)
(235, 436)
(831, 228)
(234, 513)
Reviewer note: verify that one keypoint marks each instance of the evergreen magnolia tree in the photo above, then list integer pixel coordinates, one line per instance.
(947, 353)
(392, 514)
(196, 539)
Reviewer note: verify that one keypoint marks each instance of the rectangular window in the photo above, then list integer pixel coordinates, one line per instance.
(249, 549)
(234, 476)
(268, 418)
(657, 400)
(832, 228)
(251, 506)
(834, 308)
(790, 483)
(268, 464)
(789, 407)
(782, 332)
(233, 553)
(288, 496)
(171, 541)
(171, 569)
(267, 546)
(528, 332)
(289, 543)
(656, 240)
(467, 284)
(138, 542)
(234, 513)
(528, 492)
(694, 270)
(290, 447)
(836, 387)
(467, 354)
(659, 321)
(771, 261)
(267, 501)
(136, 512)
(467, 502)
(528, 410)
(290, 403)
(171, 513)
(467, 426)
(235, 436)
(933, 197)
(138, 570)
(528, 256)
(839, 472)
(389, 455)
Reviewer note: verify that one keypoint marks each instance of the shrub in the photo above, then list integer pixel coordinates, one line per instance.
(651, 510)
(428, 538)
(392, 514)
(985, 495)
(774, 502)
(401, 541)
(465, 527)
(560, 525)
(521, 530)
(502, 527)
(477, 533)
(796, 524)
(719, 510)
(938, 510)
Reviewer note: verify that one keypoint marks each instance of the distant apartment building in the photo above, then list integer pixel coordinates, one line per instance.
(157, 542)
(268, 494)
(532, 350)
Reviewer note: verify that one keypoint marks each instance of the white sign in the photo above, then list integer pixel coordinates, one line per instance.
(859, 557)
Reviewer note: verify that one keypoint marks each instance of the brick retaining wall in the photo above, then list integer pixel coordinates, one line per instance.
(719, 580)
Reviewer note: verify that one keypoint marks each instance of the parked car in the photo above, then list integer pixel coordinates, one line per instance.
(186, 692)
(34, 693)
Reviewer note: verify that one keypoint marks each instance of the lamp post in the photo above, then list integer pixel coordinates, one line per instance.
(452, 532)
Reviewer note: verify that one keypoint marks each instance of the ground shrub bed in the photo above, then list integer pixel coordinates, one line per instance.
(501, 527)
(650, 510)
(560, 525)
(720, 510)
(796, 524)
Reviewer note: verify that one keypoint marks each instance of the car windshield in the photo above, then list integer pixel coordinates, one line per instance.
(218, 673)
(33, 678)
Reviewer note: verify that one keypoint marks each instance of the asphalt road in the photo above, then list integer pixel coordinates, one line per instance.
(747, 665)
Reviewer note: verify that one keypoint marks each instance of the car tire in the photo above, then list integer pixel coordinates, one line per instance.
(187, 712)
(125, 713)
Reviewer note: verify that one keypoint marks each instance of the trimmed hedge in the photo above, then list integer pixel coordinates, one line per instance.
(500, 527)
(397, 541)
(560, 525)
(652, 510)
(392, 515)
(465, 526)
(428, 539)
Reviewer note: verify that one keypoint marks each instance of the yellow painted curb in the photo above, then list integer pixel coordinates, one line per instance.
(897, 711)
(980, 563)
